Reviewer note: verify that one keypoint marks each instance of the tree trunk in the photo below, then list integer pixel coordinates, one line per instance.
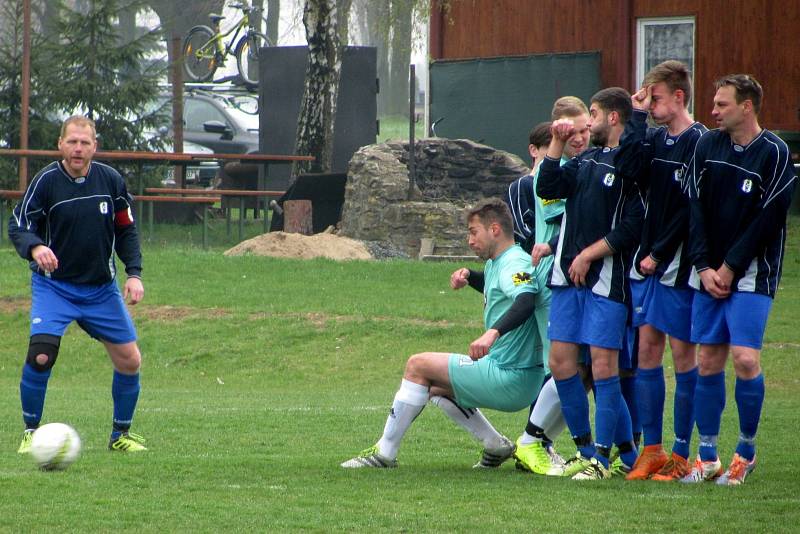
(397, 92)
(318, 108)
(273, 19)
(343, 20)
(378, 24)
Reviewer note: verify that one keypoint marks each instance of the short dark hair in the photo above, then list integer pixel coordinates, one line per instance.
(615, 99)
(493, 210)
(747, 88)
(540, 134)
(675, 74)
(568, 106)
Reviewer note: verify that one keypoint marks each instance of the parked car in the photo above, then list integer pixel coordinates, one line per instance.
(223, 123)
(201, 173)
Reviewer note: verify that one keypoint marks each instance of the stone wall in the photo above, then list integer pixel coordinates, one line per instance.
(451, 174)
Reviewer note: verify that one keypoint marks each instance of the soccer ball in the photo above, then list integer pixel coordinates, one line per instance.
(55, 446)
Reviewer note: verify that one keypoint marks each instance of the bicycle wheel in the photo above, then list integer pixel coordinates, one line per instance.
(199, 54)
(247, 56)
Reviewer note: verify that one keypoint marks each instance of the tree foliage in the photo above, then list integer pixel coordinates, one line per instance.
(110, 81)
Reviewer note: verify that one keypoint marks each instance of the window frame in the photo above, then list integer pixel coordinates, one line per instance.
(642, 23)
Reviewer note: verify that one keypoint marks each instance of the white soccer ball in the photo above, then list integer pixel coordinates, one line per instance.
(55, 446)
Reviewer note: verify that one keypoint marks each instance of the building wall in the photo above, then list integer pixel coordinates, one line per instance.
(759, 37)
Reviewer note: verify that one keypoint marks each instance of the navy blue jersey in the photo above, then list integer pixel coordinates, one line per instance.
(659, 163)
(82, 220)
(739, 197)
(600, 205)
(520, 200)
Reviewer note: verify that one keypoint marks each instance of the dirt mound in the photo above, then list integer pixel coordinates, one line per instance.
(283, 245)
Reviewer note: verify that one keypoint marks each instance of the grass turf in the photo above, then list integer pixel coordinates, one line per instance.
(261, 375)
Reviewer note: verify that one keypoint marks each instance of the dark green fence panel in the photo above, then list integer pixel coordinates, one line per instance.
(497, 101)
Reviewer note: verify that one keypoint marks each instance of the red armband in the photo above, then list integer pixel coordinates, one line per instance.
(123, 218)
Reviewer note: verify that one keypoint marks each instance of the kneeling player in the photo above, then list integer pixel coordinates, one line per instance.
(503, 371)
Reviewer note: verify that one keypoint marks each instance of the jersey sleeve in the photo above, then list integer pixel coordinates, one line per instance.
(28, 216)
(517, 278)
(126, 242)
(698, 239)
(771, 217)
(627, 233)
(632, 161)
(556, 181)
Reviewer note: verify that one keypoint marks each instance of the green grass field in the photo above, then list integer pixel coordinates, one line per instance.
(262, 375)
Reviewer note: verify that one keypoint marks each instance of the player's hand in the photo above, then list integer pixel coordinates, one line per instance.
(480, 347)
(44, 258)
(726, 275)
(648, 265)
(562, 129)
(578, 269)
(459, 278)
(713, 284)
(641, 99)
(134, 288)
(539, 251)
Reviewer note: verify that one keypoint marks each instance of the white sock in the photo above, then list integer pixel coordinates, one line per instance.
(546, 414)
(472, 420)
(409, 401)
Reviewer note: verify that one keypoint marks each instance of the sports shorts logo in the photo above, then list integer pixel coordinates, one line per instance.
(608, 179)
(465, 361)
(521, 278)
(747, 185)
(104, 208)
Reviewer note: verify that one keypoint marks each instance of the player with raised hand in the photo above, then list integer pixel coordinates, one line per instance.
(601, 223)
(502, 371)
(741, 183)
(75, 215)
(658, 159)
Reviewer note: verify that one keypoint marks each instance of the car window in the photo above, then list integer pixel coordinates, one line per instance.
(197, 111)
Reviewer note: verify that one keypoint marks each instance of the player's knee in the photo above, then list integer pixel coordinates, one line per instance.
(43, 351)
(747, 363)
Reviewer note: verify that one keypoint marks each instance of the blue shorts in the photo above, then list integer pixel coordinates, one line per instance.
(99, 310)
(667, 309)
(579, 316)
(629, 353)
(739, 319)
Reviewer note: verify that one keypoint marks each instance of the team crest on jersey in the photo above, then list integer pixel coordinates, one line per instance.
(677, 175)
(747, 185)
(104, 208)
(608, 179)
(521, 278)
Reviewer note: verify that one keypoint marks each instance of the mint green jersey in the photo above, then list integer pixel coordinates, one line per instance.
(505, 277)
(545, 213)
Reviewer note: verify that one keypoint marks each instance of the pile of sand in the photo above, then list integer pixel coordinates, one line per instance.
(283, 245)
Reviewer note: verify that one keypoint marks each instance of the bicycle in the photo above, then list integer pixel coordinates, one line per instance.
(204, 49)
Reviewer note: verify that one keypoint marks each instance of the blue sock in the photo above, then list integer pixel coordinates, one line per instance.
(628, 386)
(749, 398)
(650, 391)
(709, 403)
(575, 407)
(608, 397)
(125, 392)
(32, 390)
(623, 435)
(683, 411)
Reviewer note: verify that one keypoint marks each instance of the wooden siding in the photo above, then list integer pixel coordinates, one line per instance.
(759, 37)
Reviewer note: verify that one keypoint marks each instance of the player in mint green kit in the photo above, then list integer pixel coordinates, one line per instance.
(503, 370)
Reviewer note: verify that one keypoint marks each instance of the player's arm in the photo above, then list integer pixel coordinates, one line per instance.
(521, 287)
(126, 244)
(463, 277)
(632, 160)
(556, 181)
(23, 227)
(770, 219)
